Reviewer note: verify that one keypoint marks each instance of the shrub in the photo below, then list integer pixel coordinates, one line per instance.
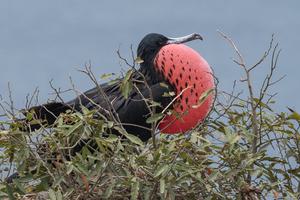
(244, 150)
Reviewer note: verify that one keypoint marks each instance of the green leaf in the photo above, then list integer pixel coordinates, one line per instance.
(154, 104)
(111, 138)
(59, 195)
(106, 76)
(113, 81)
(52, 195)
(162, 84)
(119, 146)
(168, 94)
(234, 139)
(70, 168)
(154, 118)
(110, 124)
(128, 75)
(295, 116)
(203, 97)
(134, 139)
(82, 168)
(162, 186)
(138, 60)
(127, 85)
(260, 103)
(161, 170)
(126, 88)
(74, 128)
(135, 186)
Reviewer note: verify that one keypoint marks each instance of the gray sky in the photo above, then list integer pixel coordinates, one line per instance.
(44, 40)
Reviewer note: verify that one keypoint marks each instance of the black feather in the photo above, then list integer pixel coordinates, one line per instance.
(132, 110)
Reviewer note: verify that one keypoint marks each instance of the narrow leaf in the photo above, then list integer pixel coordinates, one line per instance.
(134, 139)
(154, 118)
(138, 60)
(135, 185)
(162, 186)
(106, 76)
(203, 97)
(52, 195)
(160, 170)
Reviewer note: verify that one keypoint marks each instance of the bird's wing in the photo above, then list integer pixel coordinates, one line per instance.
(107, 95)
(131, 110)
(96, 97)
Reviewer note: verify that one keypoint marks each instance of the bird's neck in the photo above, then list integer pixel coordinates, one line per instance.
(151, 75)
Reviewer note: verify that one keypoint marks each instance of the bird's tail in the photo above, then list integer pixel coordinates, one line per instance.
(44, 115)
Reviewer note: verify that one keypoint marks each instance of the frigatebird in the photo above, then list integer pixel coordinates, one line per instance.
(164, 62)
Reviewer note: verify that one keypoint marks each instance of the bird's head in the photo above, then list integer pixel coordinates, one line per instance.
(152, 43)
(188, 74)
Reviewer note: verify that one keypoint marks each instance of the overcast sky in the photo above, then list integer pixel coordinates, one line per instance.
(44, 40)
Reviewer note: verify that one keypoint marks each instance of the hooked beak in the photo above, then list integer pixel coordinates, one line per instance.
(187, 38)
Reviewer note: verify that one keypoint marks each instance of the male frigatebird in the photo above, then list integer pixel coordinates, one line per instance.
(164, 60)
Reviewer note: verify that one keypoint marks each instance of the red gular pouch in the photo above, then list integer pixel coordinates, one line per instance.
(192, 79)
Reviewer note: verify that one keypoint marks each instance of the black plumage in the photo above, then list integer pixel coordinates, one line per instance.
(108, 97)
(131, 111)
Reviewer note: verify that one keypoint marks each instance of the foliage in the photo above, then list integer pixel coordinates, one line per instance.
(244, 150)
